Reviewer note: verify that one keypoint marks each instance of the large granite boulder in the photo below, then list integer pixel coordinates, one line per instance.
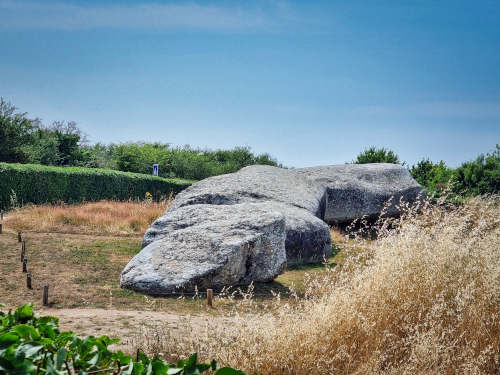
(257, 183)
(246, 226)
(233, 244)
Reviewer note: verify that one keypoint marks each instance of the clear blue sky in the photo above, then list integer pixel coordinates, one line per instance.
(310, 82)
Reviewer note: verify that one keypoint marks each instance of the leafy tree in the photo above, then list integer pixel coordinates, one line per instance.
(58, 144)
(102, 155)
(45, 151)
(15, 132)
(480, 176)
(377, 155)
(434, 177)
(140, 157)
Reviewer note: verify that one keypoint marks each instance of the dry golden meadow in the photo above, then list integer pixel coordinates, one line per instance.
(97, 218)
(422, 298)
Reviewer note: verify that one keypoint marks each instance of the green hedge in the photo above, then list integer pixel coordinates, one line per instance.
(39, 184)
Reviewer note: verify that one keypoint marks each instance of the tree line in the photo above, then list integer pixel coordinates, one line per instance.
(25, 140)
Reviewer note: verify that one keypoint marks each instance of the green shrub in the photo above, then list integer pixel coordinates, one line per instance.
(184, 162)
(434, 177)
(377, 155)
(32, 345)
(480, 176)
(477, 177)
(41, 184)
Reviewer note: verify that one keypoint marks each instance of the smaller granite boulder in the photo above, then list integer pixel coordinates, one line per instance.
(233, 244)
(308, 238)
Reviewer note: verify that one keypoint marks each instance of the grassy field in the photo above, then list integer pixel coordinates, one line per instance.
(80, 250)
(422, 298)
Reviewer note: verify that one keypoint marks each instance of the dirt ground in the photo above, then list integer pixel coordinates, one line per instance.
(130, 325)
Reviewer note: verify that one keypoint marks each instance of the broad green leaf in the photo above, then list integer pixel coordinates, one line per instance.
(122, 358)
(94, 359)
(7, 339)
(191, 360)
(61, 357)
(173, 371)
(28, 350)
(24, 346)
(47, 330)
(138, 368)
(51, 320)
(25, 312)
(159, 367)
(143, 358)
(129, 368)
(26, 332)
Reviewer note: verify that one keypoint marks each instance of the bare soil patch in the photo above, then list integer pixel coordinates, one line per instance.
(131, 326)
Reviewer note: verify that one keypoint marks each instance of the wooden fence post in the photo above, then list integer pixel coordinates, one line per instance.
(210, 294)
(45, 295)
(23, 250)
(28, 280)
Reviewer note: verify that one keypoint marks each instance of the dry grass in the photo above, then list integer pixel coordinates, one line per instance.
(80, 250)
(424, 298)
(105, 217)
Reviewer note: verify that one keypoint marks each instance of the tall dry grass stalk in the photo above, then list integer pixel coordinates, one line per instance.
(423, 298)
(105, 217)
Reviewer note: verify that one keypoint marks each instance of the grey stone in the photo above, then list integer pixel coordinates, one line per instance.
(209, 246)
(356, 190)
(257, 183)
(245, 226)
(307, 237)
(298, 198)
